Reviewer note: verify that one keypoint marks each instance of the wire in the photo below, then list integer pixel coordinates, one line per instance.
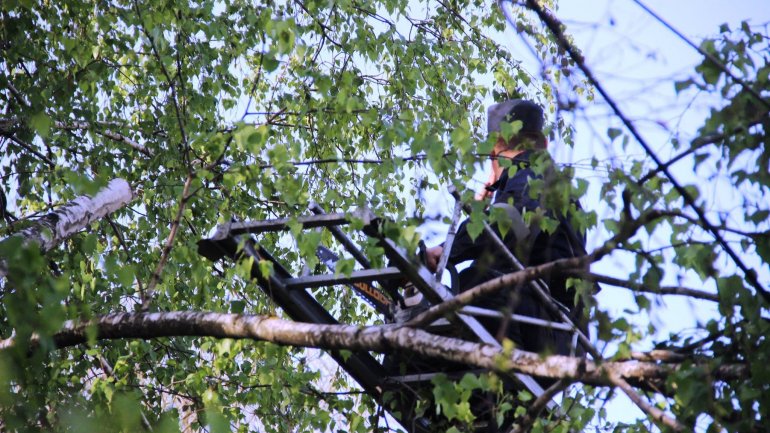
(707, 55)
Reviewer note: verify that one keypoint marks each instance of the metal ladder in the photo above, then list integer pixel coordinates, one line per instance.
(291, 294)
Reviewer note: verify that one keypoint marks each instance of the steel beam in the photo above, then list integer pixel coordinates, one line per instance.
(474, 311)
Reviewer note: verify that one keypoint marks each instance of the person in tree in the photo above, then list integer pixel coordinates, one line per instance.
(515, 186)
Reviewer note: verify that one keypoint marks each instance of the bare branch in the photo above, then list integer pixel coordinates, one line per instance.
(19, 97)
(659, 355)
(666, 290)
(106, 133)
(524, 423)
(155, 278)
(32, 150)
(493, 286)
(656, 414)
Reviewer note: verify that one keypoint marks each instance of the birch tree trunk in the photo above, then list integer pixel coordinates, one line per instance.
(53, 228)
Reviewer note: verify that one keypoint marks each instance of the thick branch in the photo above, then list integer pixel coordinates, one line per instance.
(73, 217)
(383, 338)
(657, 415)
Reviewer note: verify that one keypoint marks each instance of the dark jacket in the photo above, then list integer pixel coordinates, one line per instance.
(543, 247)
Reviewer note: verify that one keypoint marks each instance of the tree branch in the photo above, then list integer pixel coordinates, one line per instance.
(524, 423)
(120, 138)
(155, 278)
(381, 338)
(9, 125)
(19, 97)
(493, 286)
(657, 415)
(32, 150)
(73, 217)
(668, 290)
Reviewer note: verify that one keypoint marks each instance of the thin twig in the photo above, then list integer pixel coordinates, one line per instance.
(524, 423)
(155, 278)
(666, 290)
(697, 143)
(33, 151)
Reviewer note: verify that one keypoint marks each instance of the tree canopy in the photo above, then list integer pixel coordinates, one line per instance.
(236, 110)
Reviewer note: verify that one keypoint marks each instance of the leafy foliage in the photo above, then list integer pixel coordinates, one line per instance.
(216, 111)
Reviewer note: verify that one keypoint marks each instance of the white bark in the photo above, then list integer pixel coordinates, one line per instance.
(73, 217)
(384, 338)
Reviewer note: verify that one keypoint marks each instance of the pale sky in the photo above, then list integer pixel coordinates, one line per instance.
(636, 58)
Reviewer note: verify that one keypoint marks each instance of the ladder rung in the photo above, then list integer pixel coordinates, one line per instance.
(309, 221)
(362, 276)
(483, 312)
(424, 377)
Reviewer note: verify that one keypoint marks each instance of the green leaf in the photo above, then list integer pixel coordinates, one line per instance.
(237, 306)
(762, 243)
(613, 133)
(344, 266)
(265, 268)
(509, 130)
(41, 123)
(252, 139)
(682, 85)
